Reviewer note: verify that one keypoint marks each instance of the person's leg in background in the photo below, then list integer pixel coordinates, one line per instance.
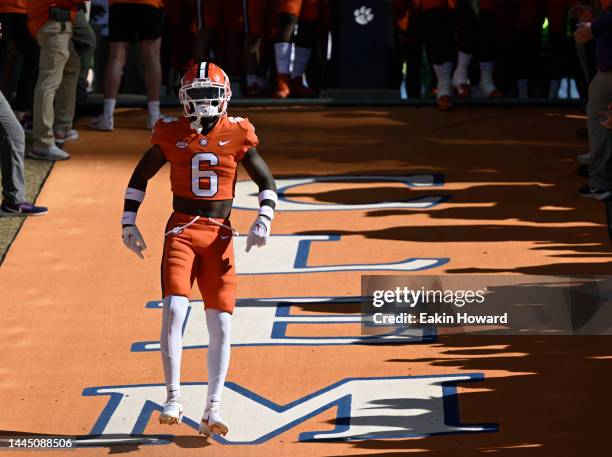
(149, 31)
(12, 151)
(409, 46)
(120, 35)
(600, 138)
(400, 19)
(65, 98)
(287, 20)
(54, 39)
(467, 29)
(260, 18)
(413, 53)
(84, 40)
(305, 42)
(15, 29)
(210, 11)
(530, 15)
(439, 28)
(182, 24)
(150, 53)
(486, 46)
(557, 14)
(232, 37)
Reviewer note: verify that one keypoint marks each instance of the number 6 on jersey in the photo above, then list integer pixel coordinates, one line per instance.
(197, 174)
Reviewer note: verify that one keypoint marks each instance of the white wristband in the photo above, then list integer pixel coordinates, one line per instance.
(267, 211)
(268, 195)
(129, 218)
(134, 194)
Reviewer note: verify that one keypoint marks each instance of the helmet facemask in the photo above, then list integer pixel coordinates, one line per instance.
(204, 99)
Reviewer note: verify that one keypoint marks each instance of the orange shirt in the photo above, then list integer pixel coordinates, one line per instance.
(38, 11)
(13, 6)
(155, 3)
(204, 167)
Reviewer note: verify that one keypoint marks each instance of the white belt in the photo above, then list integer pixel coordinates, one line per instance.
(178, 230)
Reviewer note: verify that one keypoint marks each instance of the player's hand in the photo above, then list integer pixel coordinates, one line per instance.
(133, 240)
(258, 233)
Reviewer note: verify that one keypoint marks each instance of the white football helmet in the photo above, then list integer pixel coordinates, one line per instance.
(205, 92)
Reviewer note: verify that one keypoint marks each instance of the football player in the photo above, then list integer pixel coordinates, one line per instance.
(204, 148)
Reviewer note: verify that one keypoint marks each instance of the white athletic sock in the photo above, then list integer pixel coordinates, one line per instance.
(301, 57)
(461, 72)
(443, 73)
(487, 84)
(219, 332)
(173, 317)
(153, 107)
(523, 88)
(109, 107)
(282, 51)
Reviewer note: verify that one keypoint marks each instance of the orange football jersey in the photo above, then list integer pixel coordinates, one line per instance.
(204, 167)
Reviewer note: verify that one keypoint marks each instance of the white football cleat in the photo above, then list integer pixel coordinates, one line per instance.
(172, 413)
(212, 422)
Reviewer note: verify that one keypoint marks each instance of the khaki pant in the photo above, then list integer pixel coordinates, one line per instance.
(58, 72)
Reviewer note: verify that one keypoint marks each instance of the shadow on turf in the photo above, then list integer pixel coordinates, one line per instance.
(559, 406)
(515, 166)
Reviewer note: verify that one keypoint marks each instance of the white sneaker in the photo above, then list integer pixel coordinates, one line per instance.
(584, 159)
(172, 412)
(52, 154)
(212, 422)
(102, 123)
(62, 137)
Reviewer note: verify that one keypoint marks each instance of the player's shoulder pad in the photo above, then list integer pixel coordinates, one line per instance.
(163, 128)
(165, 123)
(243, 122)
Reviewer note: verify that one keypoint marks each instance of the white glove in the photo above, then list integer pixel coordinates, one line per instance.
(133, 240)
(258, 233)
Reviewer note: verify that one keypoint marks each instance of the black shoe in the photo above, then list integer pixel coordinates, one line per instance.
(22, 209)
(587, 191)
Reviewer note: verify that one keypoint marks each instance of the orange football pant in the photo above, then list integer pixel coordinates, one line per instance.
(202, 252)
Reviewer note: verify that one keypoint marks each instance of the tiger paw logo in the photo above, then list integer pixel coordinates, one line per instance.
(363, 15)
